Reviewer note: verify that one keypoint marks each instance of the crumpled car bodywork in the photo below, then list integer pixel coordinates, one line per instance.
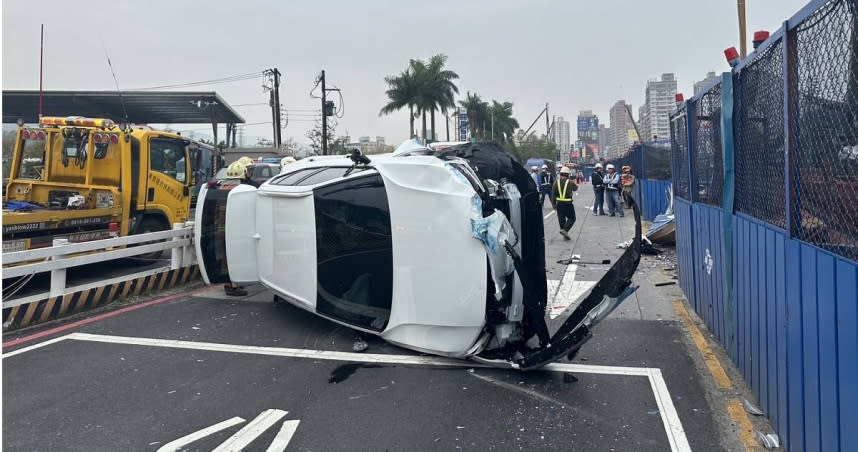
(437, 251)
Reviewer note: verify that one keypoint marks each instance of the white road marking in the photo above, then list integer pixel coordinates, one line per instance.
(283, 436)
(568, 292)
(35, 346)
(251, 431)
(670, 418)
(672, 424)
(548, 214)
(178, 444)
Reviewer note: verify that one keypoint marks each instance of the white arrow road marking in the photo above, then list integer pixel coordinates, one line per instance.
(188, 439)
(251, 431)
(568, 292)
(283, 436)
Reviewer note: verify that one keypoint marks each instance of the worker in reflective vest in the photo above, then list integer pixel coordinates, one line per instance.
(561, 201)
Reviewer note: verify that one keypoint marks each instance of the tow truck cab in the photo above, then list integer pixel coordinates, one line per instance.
(87, 179)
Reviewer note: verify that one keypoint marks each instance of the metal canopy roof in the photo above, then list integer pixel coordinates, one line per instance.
(204, 107)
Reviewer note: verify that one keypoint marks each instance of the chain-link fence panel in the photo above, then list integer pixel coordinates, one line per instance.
(656, 162)
(824, 128)
(679, 155)
(759, 137)
(707, 150)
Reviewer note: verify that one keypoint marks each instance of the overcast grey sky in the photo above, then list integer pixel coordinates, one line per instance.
(575, 55)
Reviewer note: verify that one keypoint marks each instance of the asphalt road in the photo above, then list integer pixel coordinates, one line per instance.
(143, 378)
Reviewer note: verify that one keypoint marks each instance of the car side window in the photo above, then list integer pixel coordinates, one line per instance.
(354, 252)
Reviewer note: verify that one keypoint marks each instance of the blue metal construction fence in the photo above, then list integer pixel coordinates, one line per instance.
(651, 168)
(765, 165)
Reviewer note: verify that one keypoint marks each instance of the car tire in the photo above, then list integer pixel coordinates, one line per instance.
(149, 224)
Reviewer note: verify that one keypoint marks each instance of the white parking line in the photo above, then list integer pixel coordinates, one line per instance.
(664, 401)
(567, 292)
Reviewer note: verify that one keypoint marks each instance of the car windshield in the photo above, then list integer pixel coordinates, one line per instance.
(221, 174)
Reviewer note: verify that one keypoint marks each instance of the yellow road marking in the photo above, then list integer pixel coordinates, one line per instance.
(709, 357)
(740, 417)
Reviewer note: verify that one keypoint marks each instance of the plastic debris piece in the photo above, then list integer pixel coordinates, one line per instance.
(751, 408)
(360, 345)
(665, 283)
(768, 440)
(569, 378)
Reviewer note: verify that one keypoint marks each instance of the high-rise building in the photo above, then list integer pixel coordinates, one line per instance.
(710, 79)
(622, 130)
(588, 134)
(660, 101)
(560, 135)
(379, 141)
(604, 140)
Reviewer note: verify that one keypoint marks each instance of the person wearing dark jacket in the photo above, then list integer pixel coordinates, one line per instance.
(599, 190)
(561, 201)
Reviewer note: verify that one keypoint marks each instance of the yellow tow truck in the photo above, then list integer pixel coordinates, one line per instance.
(89, 178)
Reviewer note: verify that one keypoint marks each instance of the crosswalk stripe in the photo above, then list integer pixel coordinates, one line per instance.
(283, 436)
(178, 444)
(251, 431)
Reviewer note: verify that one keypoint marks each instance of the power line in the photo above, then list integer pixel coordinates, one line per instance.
(233, 78)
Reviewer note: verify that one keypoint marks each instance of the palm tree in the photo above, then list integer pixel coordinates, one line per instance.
(423, 95)
(402, 91)
(478, 113)
(504, 124)
(441, 89)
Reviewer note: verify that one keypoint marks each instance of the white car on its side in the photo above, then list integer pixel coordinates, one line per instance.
(436, 251)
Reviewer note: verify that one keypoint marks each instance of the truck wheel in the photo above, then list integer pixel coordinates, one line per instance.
(149, 224)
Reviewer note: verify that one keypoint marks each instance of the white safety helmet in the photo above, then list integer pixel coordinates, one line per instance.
(598, 165)
(235, 170)
(533, 168)
(245, 160)
(564, 170)
(286, 160)
(610, 166)
(544, 166)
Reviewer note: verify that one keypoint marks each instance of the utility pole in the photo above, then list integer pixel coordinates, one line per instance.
(324, 117)
(742, 32)
(547, 127)
(327, 110)
(274, 102)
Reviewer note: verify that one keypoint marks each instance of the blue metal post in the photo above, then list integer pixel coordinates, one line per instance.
(786, 85)
(727, 206)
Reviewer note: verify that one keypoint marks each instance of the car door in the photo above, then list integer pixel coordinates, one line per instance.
(167, 181)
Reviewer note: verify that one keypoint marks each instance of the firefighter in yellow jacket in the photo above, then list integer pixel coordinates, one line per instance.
(561, 201)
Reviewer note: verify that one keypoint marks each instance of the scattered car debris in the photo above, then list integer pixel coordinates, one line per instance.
(751, 408)
(768, 440)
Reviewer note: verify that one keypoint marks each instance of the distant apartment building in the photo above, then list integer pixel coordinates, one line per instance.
(702, 84)
(560, 135)
(379, 141)
(660, 101)
(622, 131)
(604, 139)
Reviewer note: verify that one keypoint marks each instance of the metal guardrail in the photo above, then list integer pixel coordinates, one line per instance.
(64, 255)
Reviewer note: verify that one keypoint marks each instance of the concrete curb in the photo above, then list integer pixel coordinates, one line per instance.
(53, 308)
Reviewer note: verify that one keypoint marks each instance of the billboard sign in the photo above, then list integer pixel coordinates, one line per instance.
(463, 126)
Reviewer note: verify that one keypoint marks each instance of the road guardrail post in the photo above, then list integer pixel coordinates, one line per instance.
(58, 275)
(189, 254)
(176, 253)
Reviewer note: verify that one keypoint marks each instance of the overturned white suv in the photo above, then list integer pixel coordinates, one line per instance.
(439, 251)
